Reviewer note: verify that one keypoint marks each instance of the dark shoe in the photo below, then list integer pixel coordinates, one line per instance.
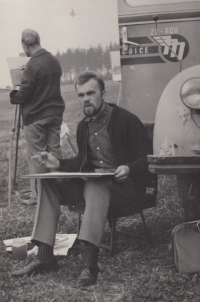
(36, 267)
(88, 276)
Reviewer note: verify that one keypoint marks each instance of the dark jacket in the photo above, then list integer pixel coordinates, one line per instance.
(129, 142)
(39, 94)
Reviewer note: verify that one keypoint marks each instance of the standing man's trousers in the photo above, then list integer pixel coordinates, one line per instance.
(97, 193)
(42, 135)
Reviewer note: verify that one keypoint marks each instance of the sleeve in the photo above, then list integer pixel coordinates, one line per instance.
(73, 164)
(139, 166)
(70, 165)
(27, 87)
(141, 145)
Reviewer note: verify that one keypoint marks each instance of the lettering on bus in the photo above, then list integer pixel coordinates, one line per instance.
(165, 31)
(158, 49)
(138, 50)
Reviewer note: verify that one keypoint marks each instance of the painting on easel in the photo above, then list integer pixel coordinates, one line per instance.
(16, 66)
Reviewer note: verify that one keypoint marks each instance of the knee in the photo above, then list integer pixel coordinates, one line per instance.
(95, 190)
(92, 186)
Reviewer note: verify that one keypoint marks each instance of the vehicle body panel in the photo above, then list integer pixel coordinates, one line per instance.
(148, 68)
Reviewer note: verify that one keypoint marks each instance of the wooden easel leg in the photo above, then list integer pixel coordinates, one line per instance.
(112, 223)
(10, 159)
(16, 147)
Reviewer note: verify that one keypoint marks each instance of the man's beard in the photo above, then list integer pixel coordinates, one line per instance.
(91, 111)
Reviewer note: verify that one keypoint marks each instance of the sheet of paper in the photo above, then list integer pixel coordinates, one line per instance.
(63, 243)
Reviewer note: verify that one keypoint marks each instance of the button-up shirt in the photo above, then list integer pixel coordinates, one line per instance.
(100, 154)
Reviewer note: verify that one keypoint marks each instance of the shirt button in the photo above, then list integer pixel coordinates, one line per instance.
(95, 133)
(101, 162)
(97, 148)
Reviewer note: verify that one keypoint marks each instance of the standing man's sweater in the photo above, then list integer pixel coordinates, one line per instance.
(39, 94)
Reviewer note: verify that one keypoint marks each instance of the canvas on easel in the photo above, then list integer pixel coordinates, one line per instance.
(15, 65)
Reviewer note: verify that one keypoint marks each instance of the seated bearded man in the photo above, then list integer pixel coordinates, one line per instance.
(108, 138)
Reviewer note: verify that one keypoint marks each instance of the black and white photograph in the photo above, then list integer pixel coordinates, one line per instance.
(100, 150)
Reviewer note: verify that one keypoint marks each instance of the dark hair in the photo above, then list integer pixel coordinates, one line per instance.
(85, 76)
(30, 37)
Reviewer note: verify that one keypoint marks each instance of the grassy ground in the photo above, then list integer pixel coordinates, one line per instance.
(137, 272)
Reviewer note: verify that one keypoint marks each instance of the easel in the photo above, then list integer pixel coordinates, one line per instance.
(15, 127)
(14, 131)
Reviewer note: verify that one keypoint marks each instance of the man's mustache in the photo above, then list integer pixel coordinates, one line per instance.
(87, 104)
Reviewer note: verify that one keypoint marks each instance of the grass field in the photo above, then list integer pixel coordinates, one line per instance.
(138, 271)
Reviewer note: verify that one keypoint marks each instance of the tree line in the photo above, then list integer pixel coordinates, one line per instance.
(74, 61)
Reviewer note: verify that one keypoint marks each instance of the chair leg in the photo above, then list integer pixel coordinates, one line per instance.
(145, 227)
(78, 224)
(112, 223)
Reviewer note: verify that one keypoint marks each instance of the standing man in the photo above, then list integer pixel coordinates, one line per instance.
(41, 103)
(109, 137)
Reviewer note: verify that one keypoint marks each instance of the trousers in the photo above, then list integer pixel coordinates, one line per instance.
(42, 135)
(97, 193)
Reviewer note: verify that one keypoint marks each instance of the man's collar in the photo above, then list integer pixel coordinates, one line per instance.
(102, 117)
(39, 52)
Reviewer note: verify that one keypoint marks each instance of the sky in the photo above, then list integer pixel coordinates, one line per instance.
(94, 22)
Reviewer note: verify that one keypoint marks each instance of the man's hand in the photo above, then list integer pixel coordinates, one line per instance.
(47, 159)
(122, 173)
(23, 67)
